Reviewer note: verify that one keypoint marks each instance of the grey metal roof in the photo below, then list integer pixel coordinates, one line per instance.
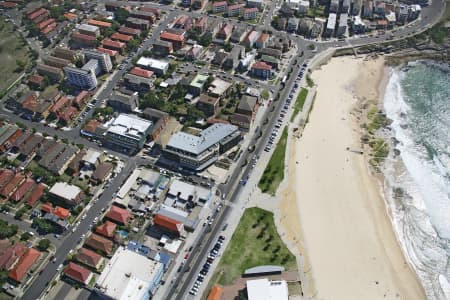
(207, 138)
(264, 269)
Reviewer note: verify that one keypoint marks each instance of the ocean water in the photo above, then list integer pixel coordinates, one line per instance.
(417, 181)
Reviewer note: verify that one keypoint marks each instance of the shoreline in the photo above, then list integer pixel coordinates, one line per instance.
(329, 209)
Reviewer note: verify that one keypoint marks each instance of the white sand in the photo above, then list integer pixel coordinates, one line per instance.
(344, 227)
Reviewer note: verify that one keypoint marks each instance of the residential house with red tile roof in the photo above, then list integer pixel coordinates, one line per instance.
(219, 7)
(23, 266)
(130, 31)
(5, 176)
(84, 39)
(250, 13)
(24, 188)
(114, 45)
(89, 258)
(10, 254)
(118, 215)
(99, 23)
(107, 229)
(177, 40)
(78, 273)
(12, 185)
(121, 37)
(81, 99)
(100, 243)
(141, 72)
(262, 70)
(225, 32)
(235, 10)
(168, 224)
(35, 194)
(61, 212)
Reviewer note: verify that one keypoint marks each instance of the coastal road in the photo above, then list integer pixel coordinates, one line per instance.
(233, 187)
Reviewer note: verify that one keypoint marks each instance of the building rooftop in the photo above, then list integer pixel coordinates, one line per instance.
(129, 125)
(87, 27)
(65, 190)
(107, 229)
(24, 265)
(77, 273)
(207, 138)
(152, 63)
(199, 80)
(128, 275)
(263, 289)
(88, 257)
(120, 215)
(168, 223)
(218, 87)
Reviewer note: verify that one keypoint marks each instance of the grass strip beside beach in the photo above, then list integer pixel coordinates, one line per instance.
(298, 106)
(254, 243)
(274, 172)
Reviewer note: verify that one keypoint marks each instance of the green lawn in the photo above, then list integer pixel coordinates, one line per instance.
(274, 172)
(298, 106)
(255, 242)
(13, 52)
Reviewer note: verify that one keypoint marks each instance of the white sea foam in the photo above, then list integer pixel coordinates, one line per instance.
(421, 218)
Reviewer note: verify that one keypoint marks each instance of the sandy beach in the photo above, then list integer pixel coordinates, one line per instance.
(332, 205)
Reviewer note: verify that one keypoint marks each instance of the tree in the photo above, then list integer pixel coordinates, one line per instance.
(265, 94)
(151, 99)
(205, 40)
(25, 236)
(20, 213)
(43, 244)
(227, 46)
(7, 231)
(133, 45)
(43, 226)
(121, 15)
(193, 114)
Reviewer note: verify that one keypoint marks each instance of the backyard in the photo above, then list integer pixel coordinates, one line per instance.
(274, 172)
(255, 242)
(13, 54)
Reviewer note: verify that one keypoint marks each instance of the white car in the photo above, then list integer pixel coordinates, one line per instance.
(59, 268)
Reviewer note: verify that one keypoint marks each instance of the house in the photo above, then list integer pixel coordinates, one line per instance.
(81, 99)
(137, 23)
(113, 45)
(99, 243)
(262, 70)
(213, 27)
(199, 4)
(5, 176)
(331, 24)
(155, 11)
(262, 41)
(107, 229)
(367, 10)
(219, 7)
(121, 37)
(53, 73)
(345, 6)
(235, 10)
(303, 7)
(209, 105)
(89, 30)
(270, 51)
(250, 13)
(70, 194)
(36, 194)
(292, 24)
(118, 215)
(219, 88)
(30, 144)
(138, 84)
(271, 61)
(176, 39)
(232, 60)
(245, 112)
(36, 82)
(255, 3)
(89, 258)
(9, 254)
(184, 22)
(159, 67)
(130, 31)
(24, 265)
(159, 120)
(201, 24)
(219, 58)
(239, 34)
(12, 185)
(197, 84)
(99, 23)
(193, 52)
(162, 48)
(143, 15)
(225, 32)
(342, 25)
(78, 273)
(168, 224)
(251, 39)
(23, 189)
(123, 103)
(101, 173)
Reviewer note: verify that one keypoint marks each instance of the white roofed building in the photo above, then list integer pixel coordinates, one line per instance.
(159, 67)
(127, 133)
(129, 275)
(197, 152)
(264, 289)
(71, 194)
